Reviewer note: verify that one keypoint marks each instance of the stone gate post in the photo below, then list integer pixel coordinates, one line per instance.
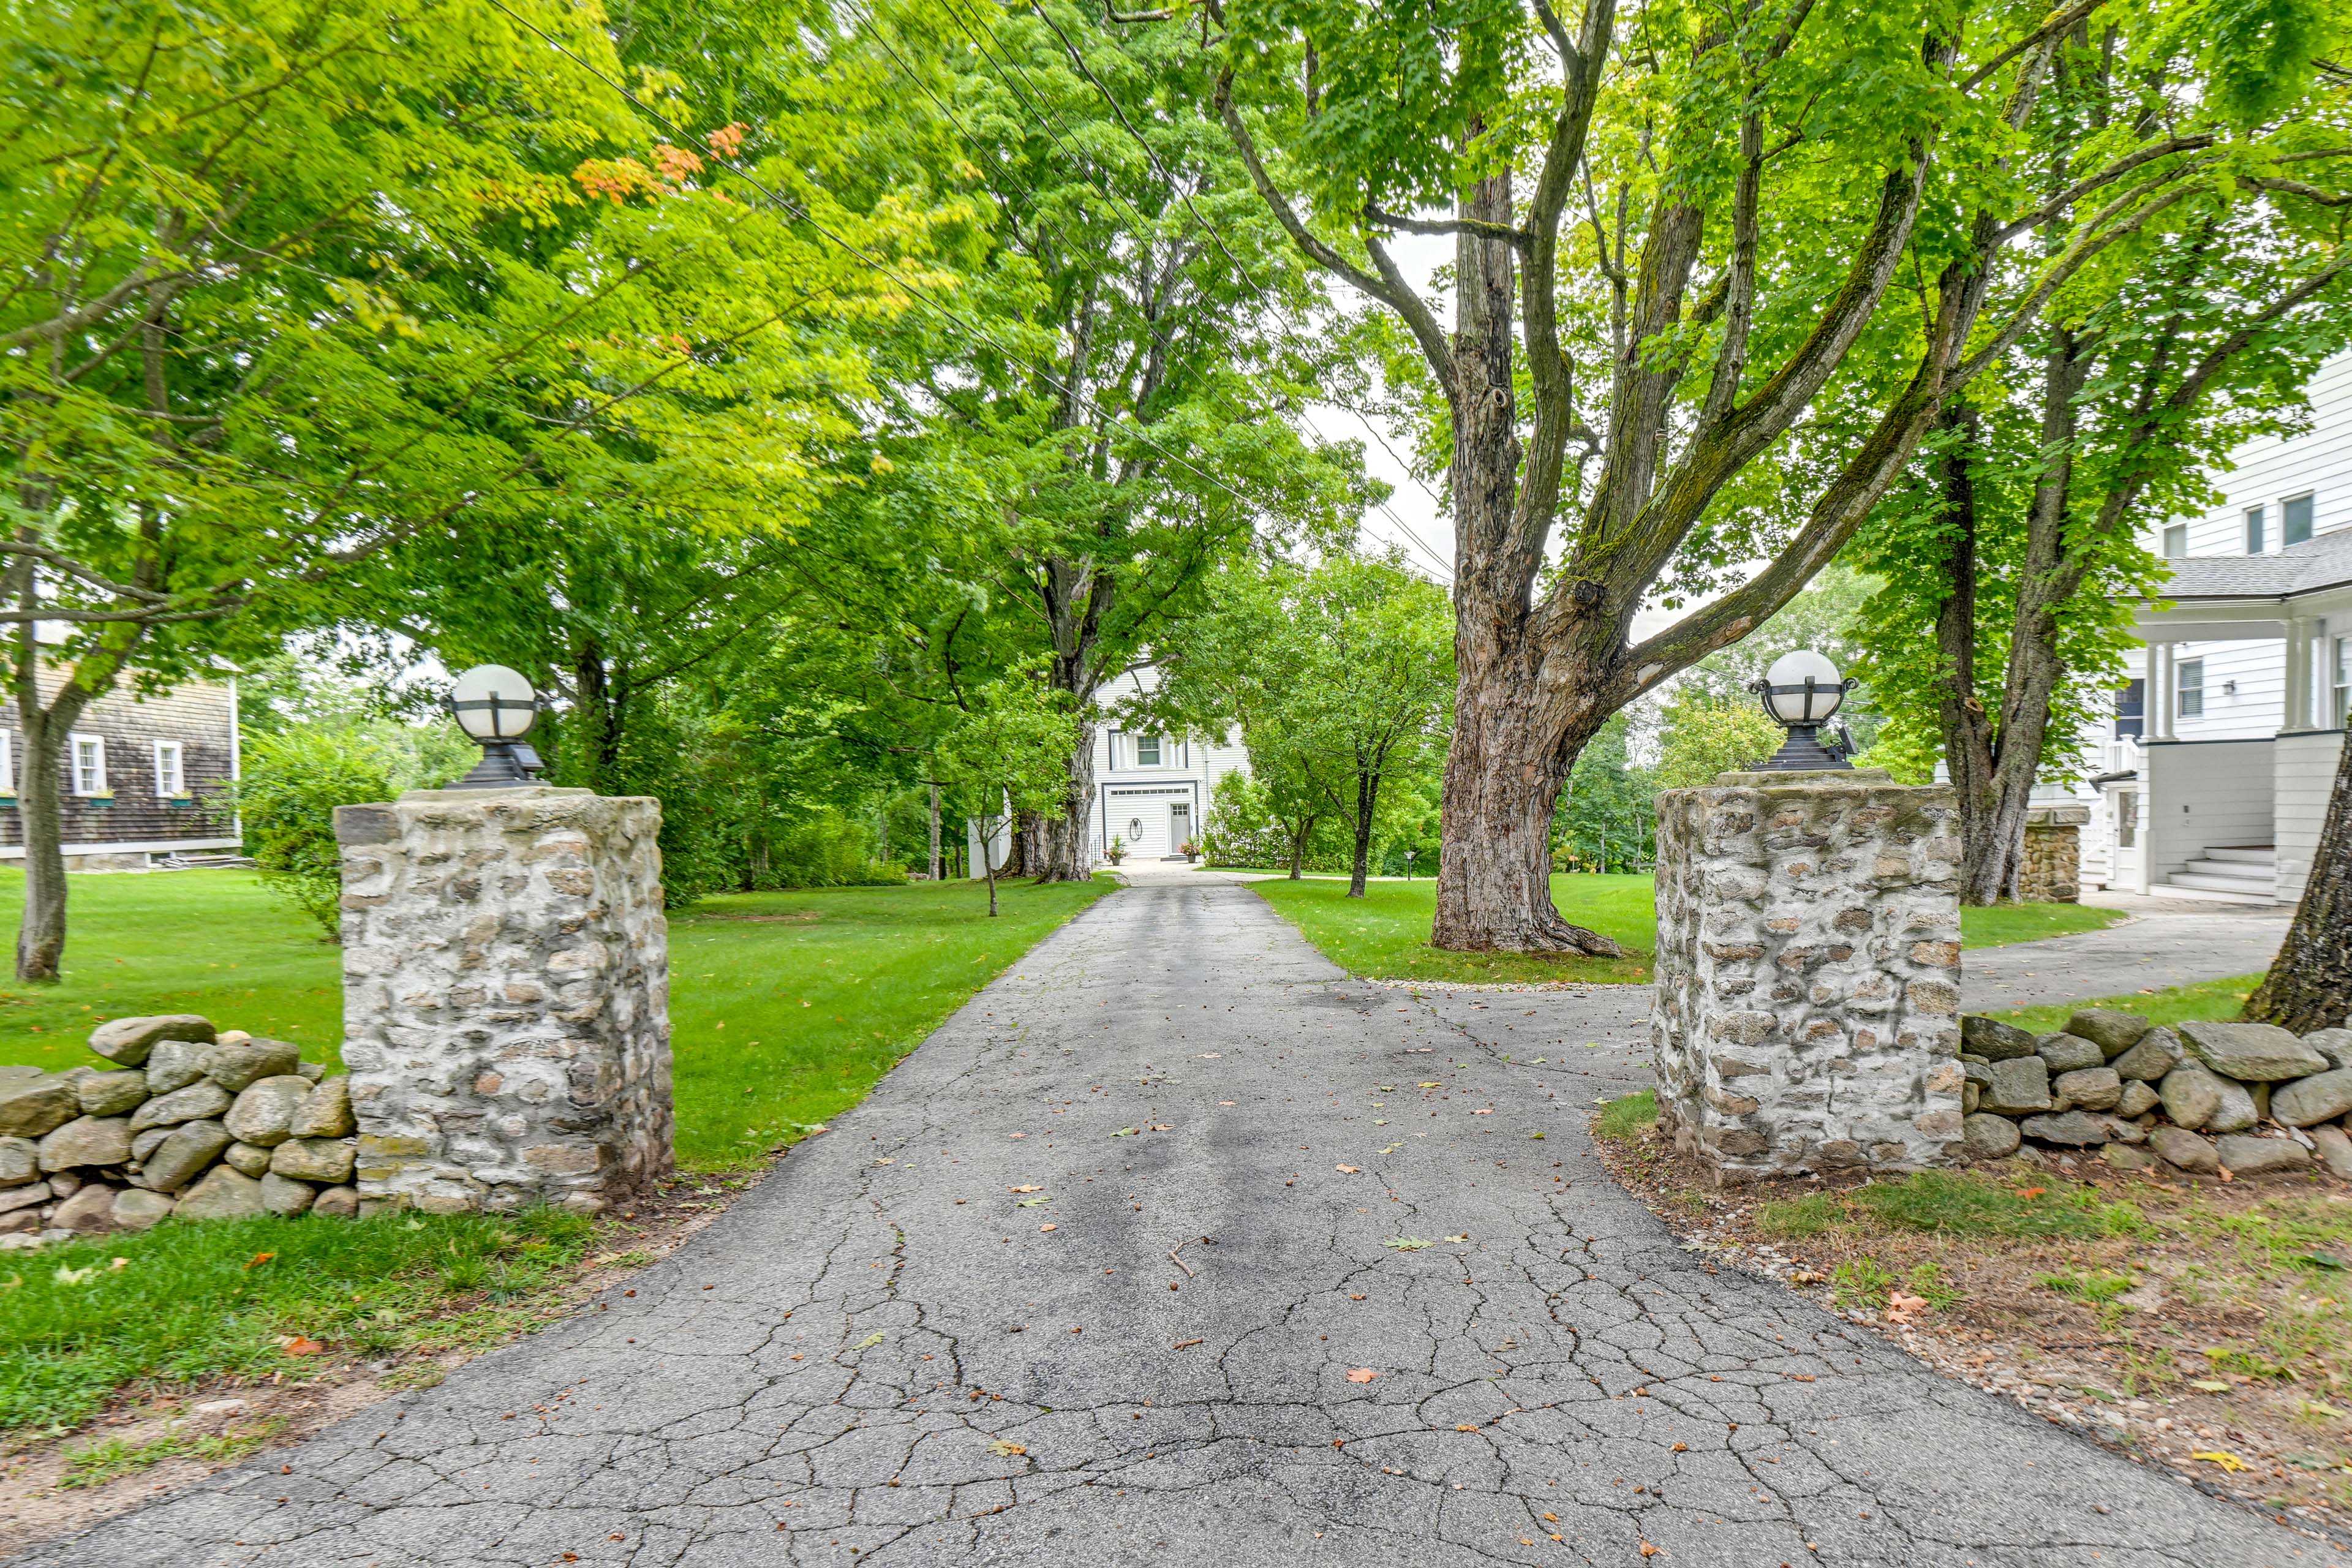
(1807, 973)
(506, 997)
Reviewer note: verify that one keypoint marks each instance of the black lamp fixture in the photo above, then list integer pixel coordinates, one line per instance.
(495, 707)
(1801, 692)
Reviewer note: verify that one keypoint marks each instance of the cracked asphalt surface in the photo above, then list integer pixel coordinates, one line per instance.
(880, 1351)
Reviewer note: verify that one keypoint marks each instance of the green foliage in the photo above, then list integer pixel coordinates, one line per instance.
(1341, 680)
(1384, 934)
(1606, 817)
(1861, 1282)
(2170, 1004)
(1704, 733)
(1947, 1204)
(293, 782)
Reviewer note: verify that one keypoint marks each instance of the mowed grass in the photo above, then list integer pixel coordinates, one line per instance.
(215, 943)
(785, 1008)
(1384, 935)
(2206, 999)
(187, 1303)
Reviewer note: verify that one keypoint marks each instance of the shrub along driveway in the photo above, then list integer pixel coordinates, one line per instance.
(1180, 1247)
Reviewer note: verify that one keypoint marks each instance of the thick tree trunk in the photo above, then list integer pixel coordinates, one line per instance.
(1067, 842)
(1368, 793)
(1511, 749)
(41, 937)
(2310, 983)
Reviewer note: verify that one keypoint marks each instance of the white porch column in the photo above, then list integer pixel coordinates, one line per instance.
(2295, 710)
(2160, 691)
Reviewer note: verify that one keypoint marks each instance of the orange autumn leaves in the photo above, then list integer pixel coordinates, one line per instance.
(671, 174)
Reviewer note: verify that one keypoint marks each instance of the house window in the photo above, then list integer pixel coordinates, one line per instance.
(2255, 519)
(2294, 520)
(2189, 678)
(2343, 683)
(87, 756)
(1147, 750)
(2131, 710)
(171, 772)
(2176, 541)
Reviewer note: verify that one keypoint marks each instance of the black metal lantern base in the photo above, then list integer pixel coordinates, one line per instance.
(1802, 751)
(504, 764)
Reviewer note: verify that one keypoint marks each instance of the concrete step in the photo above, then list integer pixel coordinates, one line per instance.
(2232, 871)
(2228, 893)
(2249, 855)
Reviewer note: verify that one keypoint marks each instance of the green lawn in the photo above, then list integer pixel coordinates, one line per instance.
(2207, 999)
(784, 1008)
(1384, 935)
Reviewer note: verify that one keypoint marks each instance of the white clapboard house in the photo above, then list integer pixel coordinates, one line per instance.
(2213, 778)
(1151, 789)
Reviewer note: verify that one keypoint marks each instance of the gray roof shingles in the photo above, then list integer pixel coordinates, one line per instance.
(2324, 561)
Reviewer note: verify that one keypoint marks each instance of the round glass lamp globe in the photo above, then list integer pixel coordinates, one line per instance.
(492, 702)
(1792, 670)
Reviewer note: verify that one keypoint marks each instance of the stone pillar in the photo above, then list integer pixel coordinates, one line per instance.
(2053, 872)
(506, 997)
(1807, 973)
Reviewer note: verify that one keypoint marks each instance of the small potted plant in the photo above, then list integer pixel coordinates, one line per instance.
(1117, 852)
(1190, 850)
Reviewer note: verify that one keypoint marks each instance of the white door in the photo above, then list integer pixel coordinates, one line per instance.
(1179, 826)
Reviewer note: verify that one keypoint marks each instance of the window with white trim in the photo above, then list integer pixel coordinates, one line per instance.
(2294, 520)
(2343, 683)
(2257, 531)
(2176, 541)
(87, 754)
(171, 770)
(1147, 750)
(2189, 680)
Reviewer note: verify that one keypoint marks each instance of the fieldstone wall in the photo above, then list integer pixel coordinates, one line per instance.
(506, 998)
(179, 1121)
(1807, 973)
(2052, 871)
(2205, 1096)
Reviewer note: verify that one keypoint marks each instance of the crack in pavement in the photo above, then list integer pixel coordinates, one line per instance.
(852, 1365)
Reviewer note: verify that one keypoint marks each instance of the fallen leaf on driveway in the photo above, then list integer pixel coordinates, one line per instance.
(1009, 1449)
(1463, 1426)
(1211, 1055)
(1481, 1113)
(1224, 1102)
(1349, 1170)
(1047, 1227)
(1462, 1238)
(1032, 1203)
(1032, 1187)
(2230, 1462)
(870, 1340)
(1405, 1243)
(1363, 1374)
(1425, 1086)
(1648, 1550)
(1125, 1133)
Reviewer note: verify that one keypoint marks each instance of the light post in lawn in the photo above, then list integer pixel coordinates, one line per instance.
(497, 708)
(1800, 694)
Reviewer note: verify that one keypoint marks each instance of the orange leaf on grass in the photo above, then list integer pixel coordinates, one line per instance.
(258, 1259)
(299, 1345)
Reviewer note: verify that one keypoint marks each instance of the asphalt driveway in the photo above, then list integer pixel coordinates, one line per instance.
(1181, 1248)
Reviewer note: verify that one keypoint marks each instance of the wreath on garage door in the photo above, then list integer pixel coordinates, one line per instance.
(1135, 828)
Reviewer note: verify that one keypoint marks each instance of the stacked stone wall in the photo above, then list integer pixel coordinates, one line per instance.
(506, 998)
(180, 1121)
(2053, 870)
(1807, 973)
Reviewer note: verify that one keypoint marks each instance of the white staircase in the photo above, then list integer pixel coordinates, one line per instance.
(2247, 874)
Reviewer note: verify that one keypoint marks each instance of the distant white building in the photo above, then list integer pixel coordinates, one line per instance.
(2215, 777)
(1151, 789)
